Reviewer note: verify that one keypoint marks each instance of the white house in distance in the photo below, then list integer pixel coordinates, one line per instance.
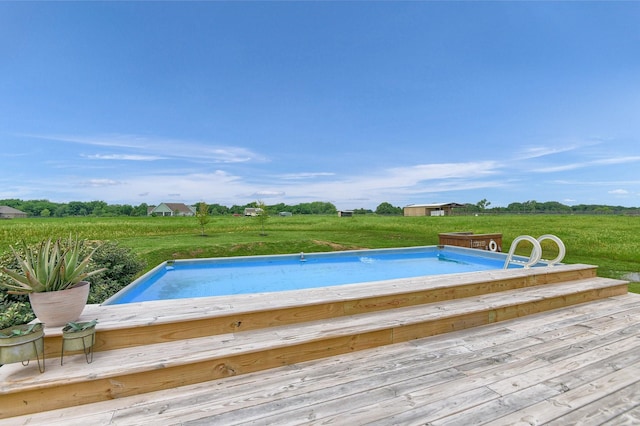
(171, 209)
(437, 209)
(252, 211)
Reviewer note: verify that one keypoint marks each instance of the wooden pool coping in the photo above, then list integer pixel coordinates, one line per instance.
(178, 310)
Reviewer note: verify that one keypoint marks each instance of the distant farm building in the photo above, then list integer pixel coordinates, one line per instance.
(171, 209)
(437, 209)
(7, 212)
(345, 213)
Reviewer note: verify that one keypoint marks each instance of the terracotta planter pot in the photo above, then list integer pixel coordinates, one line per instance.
(56, 308)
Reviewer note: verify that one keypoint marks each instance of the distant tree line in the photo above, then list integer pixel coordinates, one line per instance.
(46, 208)
(527, 207)
(548, 207)
(315, 207)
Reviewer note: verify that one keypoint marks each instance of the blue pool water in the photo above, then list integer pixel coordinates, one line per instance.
(256, 274)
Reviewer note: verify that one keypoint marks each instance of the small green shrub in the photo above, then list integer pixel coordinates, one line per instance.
(14, 310)
(122, 267)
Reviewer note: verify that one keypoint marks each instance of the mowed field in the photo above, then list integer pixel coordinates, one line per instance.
(611, 242)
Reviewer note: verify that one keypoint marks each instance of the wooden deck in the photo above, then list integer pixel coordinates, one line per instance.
(561, 347)
(576, 365)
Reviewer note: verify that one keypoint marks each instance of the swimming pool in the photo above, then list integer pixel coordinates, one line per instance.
(256, 274)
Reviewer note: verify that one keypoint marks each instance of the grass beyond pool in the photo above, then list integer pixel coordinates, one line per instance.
(258, 274)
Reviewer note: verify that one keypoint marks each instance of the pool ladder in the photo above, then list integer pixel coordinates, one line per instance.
(536, 251)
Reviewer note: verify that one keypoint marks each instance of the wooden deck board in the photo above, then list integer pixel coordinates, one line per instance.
(595, 403)
(628, 418)
(319, 396)
(159, 356)
(580, 363)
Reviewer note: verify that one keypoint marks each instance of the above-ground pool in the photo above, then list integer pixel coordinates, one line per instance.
(256, 274)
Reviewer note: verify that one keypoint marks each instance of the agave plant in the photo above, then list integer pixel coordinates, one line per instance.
(20, 330)
(51, 266)
(79, 326)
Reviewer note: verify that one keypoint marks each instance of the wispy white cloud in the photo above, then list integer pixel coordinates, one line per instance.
(113, 140)
(614, 182)
(560, 168)
(100, 182)
(619, 192)
(618, 160)
(307, 175)
(5, 154)
(413, 175)
(124, 157)
(553, 148)
(543, 151)
(580, 165)
(160, 148)
(269, 194)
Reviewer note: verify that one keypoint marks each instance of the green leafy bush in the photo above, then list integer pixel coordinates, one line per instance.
(14, 310)
(122, 267)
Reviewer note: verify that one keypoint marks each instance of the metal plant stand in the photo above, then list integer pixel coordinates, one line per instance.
(79, 341)
(23, 348)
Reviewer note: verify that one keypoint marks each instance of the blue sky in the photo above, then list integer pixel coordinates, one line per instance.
(355, 103)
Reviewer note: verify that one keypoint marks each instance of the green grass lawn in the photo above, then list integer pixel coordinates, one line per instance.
(611, 242)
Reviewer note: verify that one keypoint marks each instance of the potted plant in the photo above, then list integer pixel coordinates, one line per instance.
(79, 336)
(22, 343)
(53, 275)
